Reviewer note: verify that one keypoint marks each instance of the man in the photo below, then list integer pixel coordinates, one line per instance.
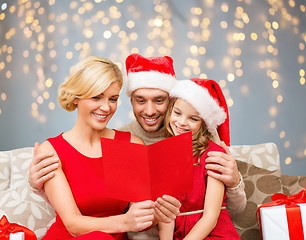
(149, 81)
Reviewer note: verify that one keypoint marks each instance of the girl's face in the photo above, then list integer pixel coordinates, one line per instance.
(97, 111)
(184, 118)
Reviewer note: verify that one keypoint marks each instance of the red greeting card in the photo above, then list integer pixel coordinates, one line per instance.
(135, 172)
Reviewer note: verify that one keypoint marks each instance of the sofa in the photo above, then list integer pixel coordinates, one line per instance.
(258, 164)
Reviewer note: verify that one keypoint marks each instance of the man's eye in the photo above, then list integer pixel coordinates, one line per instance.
(159, 101)
(139, 101)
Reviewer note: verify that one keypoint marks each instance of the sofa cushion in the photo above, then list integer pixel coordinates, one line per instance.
(5, 170)
(260, 185)
(293, 184)
(18, 202)
(263, 155)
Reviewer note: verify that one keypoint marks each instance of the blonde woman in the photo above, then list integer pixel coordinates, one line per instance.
(76, 191)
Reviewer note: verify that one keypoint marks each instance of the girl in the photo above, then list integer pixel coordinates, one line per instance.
(77, 189)
(195, 107)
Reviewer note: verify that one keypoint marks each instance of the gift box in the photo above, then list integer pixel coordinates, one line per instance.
(14, 231)
(14, 236)
(284, 218)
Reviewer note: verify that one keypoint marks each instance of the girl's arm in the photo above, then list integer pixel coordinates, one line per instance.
(166, 230)
(139, 216)
(212, 206)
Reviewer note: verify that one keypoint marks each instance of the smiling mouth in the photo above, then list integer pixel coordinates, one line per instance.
(150, 121)
(100, 116)
(181, 130)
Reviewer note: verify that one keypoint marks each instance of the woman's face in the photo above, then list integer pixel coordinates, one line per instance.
(97, 111)
(184, 118)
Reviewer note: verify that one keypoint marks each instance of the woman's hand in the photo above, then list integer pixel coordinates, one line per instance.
(140, 216)
(166, 209)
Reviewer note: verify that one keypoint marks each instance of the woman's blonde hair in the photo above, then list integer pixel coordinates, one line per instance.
(199, 139)
(88, 78)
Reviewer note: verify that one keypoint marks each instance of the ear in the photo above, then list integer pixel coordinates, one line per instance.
(75, 101)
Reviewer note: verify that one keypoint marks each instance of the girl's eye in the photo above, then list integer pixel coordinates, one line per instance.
(113, 99)
(96, 98)
(194, 119)
(176, 112)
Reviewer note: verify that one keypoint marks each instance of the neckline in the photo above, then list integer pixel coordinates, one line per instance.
(75, 150)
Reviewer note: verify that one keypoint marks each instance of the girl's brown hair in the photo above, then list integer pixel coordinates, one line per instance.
(199, 139)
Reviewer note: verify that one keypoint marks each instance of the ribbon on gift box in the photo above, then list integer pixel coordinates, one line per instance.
(293, 212)
(6, 228)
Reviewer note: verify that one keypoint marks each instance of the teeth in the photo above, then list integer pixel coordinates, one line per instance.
(150, 119)
(99, 116)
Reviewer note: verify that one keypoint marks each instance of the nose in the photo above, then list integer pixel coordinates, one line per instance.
(105, 107)
(182, 121)
(150, 109)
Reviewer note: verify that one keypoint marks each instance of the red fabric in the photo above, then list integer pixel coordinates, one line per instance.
(138, 63)
(6, 228)
(194, 200)
(86, 180)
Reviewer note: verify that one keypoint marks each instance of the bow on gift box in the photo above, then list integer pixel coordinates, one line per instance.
(6, 228)
(293, 212)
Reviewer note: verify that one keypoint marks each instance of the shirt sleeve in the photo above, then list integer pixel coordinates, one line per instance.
(236, 198)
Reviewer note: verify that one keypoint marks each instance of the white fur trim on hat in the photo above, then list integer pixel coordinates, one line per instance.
(201, 100)
(149, 79)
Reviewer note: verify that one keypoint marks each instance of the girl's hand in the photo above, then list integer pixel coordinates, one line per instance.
(225, 164)
(140, 216)
(166, 209)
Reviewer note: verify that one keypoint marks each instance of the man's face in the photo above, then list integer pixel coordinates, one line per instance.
(149, 107)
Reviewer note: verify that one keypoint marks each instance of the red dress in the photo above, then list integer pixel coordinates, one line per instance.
(194, 200)
(85, 177)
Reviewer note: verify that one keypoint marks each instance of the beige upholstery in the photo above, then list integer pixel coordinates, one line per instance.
(262, 178)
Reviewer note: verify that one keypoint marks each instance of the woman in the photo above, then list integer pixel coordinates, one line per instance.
(77, 190)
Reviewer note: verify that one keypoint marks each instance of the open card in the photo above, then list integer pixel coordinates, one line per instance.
(135, 172)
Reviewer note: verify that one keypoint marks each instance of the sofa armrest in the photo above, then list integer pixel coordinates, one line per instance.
(292, 184)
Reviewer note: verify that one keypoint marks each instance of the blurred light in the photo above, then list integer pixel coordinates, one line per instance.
(3, 96)
(230, 77)
(288, 160)
(282, 134)
(273, 111)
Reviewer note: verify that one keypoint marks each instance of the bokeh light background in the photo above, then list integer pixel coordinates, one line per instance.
(255, 49)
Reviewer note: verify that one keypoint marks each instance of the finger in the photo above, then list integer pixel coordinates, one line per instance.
(50, 168)
(217, 161)
(172, 200)
(216, 167)
(227, 150)
(216, 176)
(164, 208)
(148, 204)
(162, 217)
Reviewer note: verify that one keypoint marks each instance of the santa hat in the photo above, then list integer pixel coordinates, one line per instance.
(206, 97)
(152, 72)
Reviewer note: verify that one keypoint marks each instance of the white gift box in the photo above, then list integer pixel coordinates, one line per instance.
(274, 224)
(17, 236)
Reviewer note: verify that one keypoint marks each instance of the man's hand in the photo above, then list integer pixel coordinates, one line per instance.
(41, 169)
(225, 164)
(166, 209)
